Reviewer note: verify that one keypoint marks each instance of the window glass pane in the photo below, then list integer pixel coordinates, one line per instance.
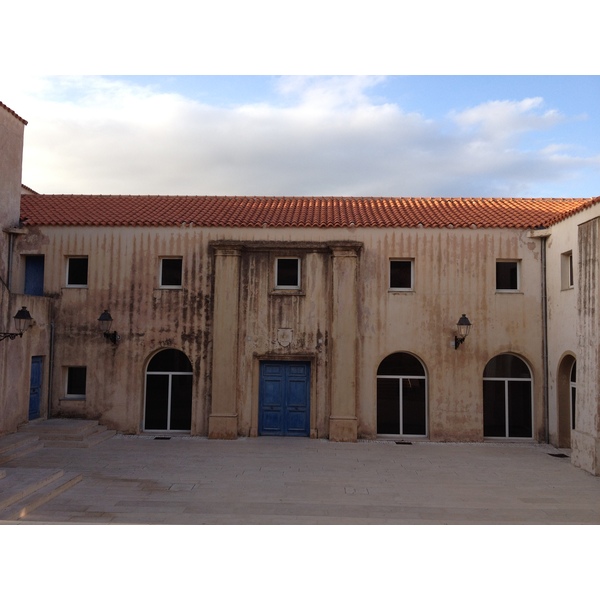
(507, 365)
(169, 361)
(574, 372)
(519, 409)
(76, 377)
(413, 407)
(401, 363)
(157, 401)
(170, 273)
(494, 409)
(401, 274)
(78, 271)
(288, 271)
(388, 406)
(181, 402)
(506, 276)
(571, 279)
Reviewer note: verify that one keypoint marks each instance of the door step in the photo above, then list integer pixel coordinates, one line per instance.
(15, 445)
(69, 433)
(24, 490)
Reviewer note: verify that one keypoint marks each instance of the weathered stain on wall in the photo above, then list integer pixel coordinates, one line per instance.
(585, 438)
(454, 273)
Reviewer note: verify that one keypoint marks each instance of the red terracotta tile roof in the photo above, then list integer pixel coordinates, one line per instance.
(12, 112)
(250, 211)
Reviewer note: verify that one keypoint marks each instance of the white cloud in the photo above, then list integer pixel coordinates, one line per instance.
(503, 119)
(323, 136)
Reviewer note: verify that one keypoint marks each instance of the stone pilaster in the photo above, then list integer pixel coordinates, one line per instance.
(343, 423)
(223, 419)
(585, 439)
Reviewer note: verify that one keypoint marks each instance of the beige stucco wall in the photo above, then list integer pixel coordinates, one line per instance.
(11, 159)
(454, 274)
(585, 439)
(15, 360)
(123, 277)
(567, 329)
(15, 355)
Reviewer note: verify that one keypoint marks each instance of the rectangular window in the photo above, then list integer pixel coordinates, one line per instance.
(34, 275)
(76, 379)
(171, 270)
(287, 273)
(566, 271)
(507, 275)
(401, 274)
(77, 271)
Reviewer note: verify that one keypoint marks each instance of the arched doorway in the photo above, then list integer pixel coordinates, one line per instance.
(566, 390)
(401, 396)
(168, 402)
(507, 398)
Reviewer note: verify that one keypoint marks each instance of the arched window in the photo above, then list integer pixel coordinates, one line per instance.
(401, 396)
(168, 405)
(507, 405)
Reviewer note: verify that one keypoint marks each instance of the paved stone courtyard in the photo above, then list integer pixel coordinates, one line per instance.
(191, 480)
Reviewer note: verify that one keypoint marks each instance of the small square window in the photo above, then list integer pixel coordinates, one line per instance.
(507, 275)
(287, 273)
(171, 270)
(401, 274)
(76, 379)
(77, 271)
(566, 271)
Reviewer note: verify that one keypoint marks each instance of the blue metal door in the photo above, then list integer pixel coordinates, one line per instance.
(35, 387)
(284, 399)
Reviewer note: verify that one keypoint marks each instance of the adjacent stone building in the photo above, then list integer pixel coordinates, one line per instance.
(324, 317)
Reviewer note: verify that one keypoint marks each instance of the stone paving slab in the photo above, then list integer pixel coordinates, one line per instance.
(191, 480)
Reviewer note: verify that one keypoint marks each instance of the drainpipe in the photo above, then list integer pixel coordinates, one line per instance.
(11, 242)
(12, 232)
(6, 282)
(545, 342)
(50, 365)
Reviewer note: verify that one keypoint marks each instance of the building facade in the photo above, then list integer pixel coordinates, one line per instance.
(324, 317)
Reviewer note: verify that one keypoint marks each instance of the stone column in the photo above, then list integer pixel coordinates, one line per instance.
(585, 439)
(343, 424)
(223, 419)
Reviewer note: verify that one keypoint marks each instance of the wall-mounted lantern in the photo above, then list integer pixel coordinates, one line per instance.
(105, 322)
(23, 321)
(462, 330)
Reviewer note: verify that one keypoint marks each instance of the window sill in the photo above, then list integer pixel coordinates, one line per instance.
(509, 292)
(401, 291)
(71, 398)
(286, 292)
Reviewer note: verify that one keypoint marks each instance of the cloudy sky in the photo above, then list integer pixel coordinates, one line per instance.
(320, 135)
(439, 125)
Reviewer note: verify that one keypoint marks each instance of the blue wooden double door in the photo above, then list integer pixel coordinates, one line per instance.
(284, 399)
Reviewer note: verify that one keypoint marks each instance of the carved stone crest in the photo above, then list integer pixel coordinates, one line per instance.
(285, 336)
